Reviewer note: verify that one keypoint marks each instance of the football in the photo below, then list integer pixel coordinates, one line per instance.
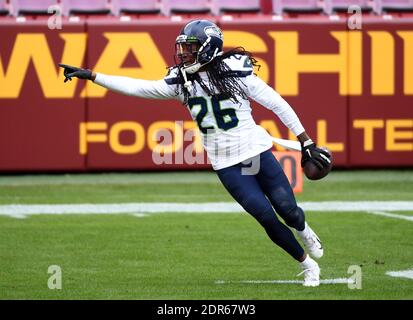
(312, 172)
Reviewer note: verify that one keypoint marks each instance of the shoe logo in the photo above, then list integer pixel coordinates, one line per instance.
(321, 246)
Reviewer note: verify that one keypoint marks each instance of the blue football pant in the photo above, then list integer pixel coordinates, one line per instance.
(261, 193)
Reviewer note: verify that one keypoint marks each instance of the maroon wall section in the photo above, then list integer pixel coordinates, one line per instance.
(37, 133)
(42, 126)
(391, 113)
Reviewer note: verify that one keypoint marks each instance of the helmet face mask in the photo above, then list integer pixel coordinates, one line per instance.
(186, 52)
(204, 37)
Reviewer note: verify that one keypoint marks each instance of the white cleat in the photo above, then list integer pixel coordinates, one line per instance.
(311, 242)
(311, 274)
(311, 277)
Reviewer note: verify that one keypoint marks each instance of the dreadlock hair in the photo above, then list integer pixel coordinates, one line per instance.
(222, 80)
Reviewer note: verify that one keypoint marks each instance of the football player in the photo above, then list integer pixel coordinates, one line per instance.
(216, 87)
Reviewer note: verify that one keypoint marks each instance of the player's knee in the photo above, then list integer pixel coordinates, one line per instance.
(295, 218)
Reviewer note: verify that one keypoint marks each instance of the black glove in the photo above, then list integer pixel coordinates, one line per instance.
(75, 72)
(310, 152)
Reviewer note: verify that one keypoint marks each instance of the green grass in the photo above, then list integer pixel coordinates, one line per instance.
(180, 256)
(192, 187)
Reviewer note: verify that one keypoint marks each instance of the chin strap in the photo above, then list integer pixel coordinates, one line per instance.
(187, 83)
(191, 69)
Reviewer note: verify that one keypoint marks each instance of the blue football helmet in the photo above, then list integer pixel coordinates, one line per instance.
(202, 39)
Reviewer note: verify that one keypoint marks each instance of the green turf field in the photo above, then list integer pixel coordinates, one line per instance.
(184, 255)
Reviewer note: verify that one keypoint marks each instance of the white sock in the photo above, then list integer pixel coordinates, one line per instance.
(308, 263)
(305, 232)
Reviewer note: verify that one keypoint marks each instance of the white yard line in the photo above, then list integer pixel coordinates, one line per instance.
(401, 274)
(114, 208)
(373, 207)
(323, 281)
(358, 206)
(391, 215)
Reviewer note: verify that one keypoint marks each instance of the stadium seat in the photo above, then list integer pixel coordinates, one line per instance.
(4, 10)
(296, 6)
(266, 6)
(384, 6)
(186, 7)
(30, 7)
(73, 7)
(235, 6)
(136, 7)
(333, 6)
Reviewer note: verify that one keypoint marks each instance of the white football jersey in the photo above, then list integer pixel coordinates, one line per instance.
(230, 134)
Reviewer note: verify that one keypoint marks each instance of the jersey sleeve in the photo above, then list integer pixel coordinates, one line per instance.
(240, 66)
(150, 89)
(262, 93)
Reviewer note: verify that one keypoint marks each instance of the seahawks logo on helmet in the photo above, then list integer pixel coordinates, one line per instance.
(212, 31)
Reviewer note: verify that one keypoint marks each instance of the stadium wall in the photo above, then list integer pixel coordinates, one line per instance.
(352, 89)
